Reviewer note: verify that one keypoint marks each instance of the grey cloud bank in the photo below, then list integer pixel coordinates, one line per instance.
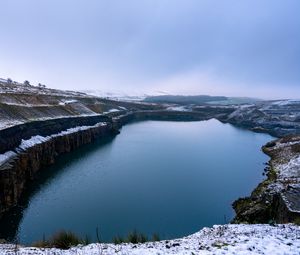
(238, 48)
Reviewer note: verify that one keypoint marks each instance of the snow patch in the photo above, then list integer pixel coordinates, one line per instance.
(282, 145)
(34, 140)
(114, 110)
(68, 102)
(111, 111)
(178, 108)
(9, 123)
(286, 102)
(25, 144)
(7, 156)
(290, 169)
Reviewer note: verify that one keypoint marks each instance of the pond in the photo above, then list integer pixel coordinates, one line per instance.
(170, 178)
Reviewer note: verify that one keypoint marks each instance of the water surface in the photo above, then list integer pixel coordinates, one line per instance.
(171, 178)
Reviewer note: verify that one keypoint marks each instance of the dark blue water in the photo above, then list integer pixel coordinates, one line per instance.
(171, 178)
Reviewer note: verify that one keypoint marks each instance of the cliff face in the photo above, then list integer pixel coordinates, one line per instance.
(21, 168)
(121, 120)
(12, 137)
(277, 199)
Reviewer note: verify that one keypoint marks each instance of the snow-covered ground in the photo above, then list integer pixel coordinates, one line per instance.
(17, 87)
(224, 239)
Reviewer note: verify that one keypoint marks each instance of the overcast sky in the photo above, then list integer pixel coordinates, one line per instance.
(217, 47)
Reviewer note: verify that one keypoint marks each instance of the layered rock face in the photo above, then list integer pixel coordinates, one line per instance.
(12, 137)
(22, 164)
(277, 199)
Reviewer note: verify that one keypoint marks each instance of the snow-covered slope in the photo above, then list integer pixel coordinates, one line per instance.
(226, 239)
(116, 95)
(21, 103)
(17, 87)
(279, 118)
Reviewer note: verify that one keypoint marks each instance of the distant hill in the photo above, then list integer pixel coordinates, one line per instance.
(184, 99)
(200, 99)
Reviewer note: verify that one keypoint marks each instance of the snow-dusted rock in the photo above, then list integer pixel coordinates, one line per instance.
(277, 198)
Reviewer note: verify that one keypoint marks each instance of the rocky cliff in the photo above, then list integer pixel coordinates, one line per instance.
(12, 137)
(278, 118)
(277, 199)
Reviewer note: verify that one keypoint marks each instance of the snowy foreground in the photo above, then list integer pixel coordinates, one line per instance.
(226, 239)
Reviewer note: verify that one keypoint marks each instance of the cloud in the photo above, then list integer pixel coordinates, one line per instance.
(249, 47)
(205, 82)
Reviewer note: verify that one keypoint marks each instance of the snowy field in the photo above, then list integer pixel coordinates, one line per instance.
(224, 239)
